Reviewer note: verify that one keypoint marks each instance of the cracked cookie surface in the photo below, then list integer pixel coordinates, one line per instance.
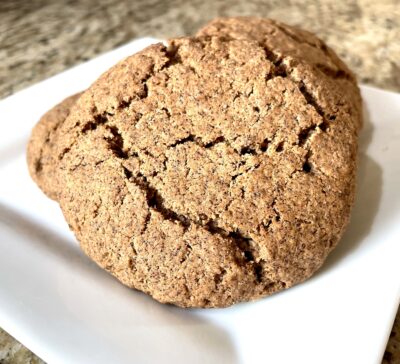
(217, 169)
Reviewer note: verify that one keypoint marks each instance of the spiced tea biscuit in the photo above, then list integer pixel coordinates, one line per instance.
(306, 57)
(40, 150)
(214, 170)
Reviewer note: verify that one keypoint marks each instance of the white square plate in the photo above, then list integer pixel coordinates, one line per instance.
(67, 310)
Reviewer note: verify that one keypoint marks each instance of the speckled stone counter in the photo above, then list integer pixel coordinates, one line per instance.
(40, 38)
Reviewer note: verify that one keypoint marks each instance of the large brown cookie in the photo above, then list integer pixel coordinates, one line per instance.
(306, 57)
(218, 169)
(40, 151)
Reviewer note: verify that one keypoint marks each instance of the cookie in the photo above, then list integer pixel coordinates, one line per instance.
(40, 150)
(214, 170)
(306, 56)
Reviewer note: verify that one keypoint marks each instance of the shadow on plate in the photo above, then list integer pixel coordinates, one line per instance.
(125, 322)
(368, 195)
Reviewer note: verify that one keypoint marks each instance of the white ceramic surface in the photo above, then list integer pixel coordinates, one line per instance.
(67, 310)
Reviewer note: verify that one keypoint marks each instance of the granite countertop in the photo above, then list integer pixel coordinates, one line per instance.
(40, 38)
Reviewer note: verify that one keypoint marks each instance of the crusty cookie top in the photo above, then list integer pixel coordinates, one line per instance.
(217, 169)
